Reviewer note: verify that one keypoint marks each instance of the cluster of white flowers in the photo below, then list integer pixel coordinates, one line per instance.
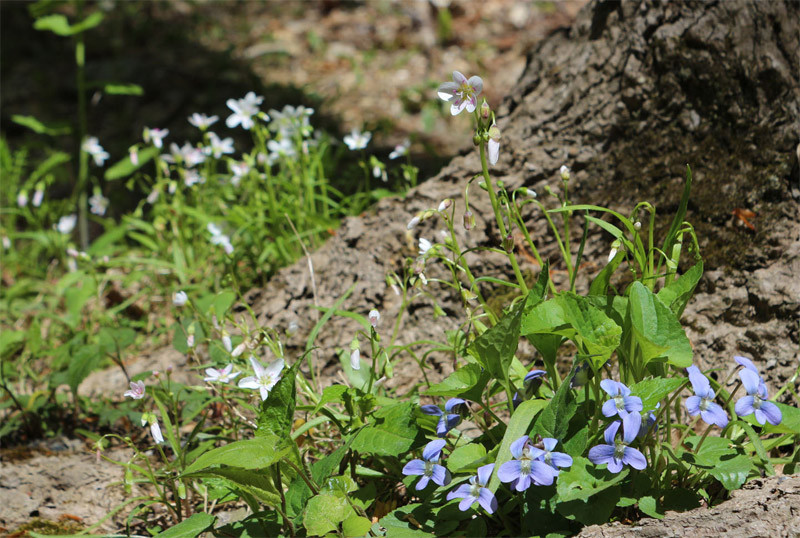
(218, 238)
(92, 146)
(244, 110)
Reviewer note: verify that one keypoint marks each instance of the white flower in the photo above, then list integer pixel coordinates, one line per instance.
(265, 378)
(355, 359)
(133, 153)
(137, 390)
(226, 342)
(357, 140)
(192, 178)
(243, 111)
(153, 196)
(218, 146)
(220, 376)
(92, 146)
(98, 203)
(282, 148)
(22, 199)
(190, 341)
(238, 350)
(38, 196)
(424, 246)
(291, 120)
(156, 136)
(564, 171)
(187, 154)
(445, 204)
(614, 249)
(155, 429)
(239, 169)
(6, 242)
(494, 143)
(179, 298)
(464, 91)
(223, 240)
(374, 318)
(201, 121)
(413, 222)
(66, 224)
(213, 229)
(400, 149)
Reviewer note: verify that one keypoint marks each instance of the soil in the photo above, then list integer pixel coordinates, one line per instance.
(626, 96)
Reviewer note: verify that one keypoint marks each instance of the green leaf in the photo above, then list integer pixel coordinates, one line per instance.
(356, 525)
(257, 453)
(495, 348)
(732, 472)
(125, 167)
(464, 456)
(467, 382)
(276, 413)
(677, 221)
(123, 89)
(653, 390)
(657, 330)
(593, 511)
(253, 483)
(191, 527)
(59, 25)
(392, 433)
(82, 363)
(554, 420)
(601, 282)
(404, 522)
(584, 480)
(115, 339)
(51, 162)
(324, 512)
(518, 425)
(331, 394)
(677, 294)
(576, 318)
(649, 506)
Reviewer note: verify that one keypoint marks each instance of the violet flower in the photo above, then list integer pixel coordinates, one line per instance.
(428, 466)
(476, 491)
(623, 404)
(616, 453)
(756, 400)
(703, 400)
(555, 460)
(450, 418)
(526, 468)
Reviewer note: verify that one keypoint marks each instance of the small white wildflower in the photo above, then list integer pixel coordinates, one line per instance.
(179, 298)
(424, 246)
(136, 391)
(413, 222)
(192, 178)
(186, 154)
(38, 196)
(445, 204)
(153, 196)
(133, 154)
(201, 121)
(564, 171)
(66, 224)
(190, 341)
(494, 143)
(155, 136)
(265, 378)
(6, 242)
(400, 149)
(357, 140)
(218, 147)
(637, 225)
(243, 111)
(22, 199)
(92, 146)
(238, 350)
(220, 376)
(614, 249)
(355, 359)
(464, 91)
(374, 318)
(226, 342)
(98, 203)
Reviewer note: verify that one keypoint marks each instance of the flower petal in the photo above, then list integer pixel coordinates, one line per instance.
(772, 412)
(477, 84)
(714, 414)
(517, 446)
(248, 383)
(559, 459)
(600, 454)
(415, 467)
(431, 410)
(274, 368)
(485, 473)
(744, 406)
(509, 471)
(458, 106)
(747, 363)
(441, 475)
(699, 382)
(433, 449)
(422, 483)
(610, 386)
(633, 404)
(693, 405)
(487, 500)
(459, 78)
(542, 474)
(453, 402)
(461, 492)
(750, 380)
(466, 503)
(447, 91)
(609, 408)
(630, 426)
(257, 367)
(611, 432)
(615, 465)
(634, 458)
(523, 483)
(493, 146)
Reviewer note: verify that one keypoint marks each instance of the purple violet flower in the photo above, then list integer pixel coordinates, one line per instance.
(527, 467)
(703, 400)
(450, 418)
(756, 400)
(476, 491)
(428, 466)
(554, 459)
(616, 453)
(623, 404)
(531, 383)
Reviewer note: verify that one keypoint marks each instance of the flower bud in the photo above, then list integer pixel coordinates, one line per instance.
(355, 359)
(469, 220)
(133, 153)
(238, 350)
(508, 243)
(413, 222)
(637, 225)
(564, 172)
(614, 249)
(445, 204)
(486, 111)
(374, 318)
(477, 139)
